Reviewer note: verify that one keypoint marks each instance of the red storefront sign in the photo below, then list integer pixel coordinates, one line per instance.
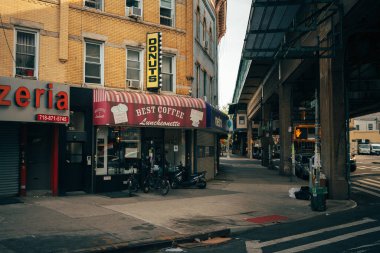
(147, 110)
(33, 101)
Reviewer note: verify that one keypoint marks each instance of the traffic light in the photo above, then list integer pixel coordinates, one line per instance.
(300, 133)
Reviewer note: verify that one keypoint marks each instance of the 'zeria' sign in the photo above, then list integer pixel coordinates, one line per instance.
(33, 101)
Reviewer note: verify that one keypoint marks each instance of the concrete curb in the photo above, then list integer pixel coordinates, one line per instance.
(155, 244)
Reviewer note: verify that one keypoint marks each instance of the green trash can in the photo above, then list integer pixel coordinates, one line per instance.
(318, 199)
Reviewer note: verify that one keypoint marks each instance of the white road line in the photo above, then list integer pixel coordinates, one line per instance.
(365, 181)
(330, 240)
(366, 186)
(367, 191)
(371, 180)
(259, 245)
(250, 246)
(364, 167)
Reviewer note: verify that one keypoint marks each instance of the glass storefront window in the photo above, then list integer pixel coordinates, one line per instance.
(115, 147)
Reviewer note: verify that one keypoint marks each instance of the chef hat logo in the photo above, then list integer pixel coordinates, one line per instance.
(196, 116)
(120, 113)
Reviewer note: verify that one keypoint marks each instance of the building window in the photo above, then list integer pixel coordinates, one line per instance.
(96, 4)
(241, 120)
(197, 25)
(166, 12)
(167, 72)
(370, 127)
(94, 62)
(204, 84)
(133, 3)
(26, 53)
(133, 68)
(133, 8)
(211, 91)
(211, 41)
(204, 30)
(198, 77)
(357, 127)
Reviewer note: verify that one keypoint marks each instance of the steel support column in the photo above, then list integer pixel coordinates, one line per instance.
(285, 110)
(332, 117)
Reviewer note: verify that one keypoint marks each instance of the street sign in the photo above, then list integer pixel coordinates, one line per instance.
(230, 125)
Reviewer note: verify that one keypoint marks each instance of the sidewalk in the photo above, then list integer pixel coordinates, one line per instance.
(251, 196)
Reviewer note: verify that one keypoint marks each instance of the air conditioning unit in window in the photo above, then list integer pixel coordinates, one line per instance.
(133, 84)
(134, 12)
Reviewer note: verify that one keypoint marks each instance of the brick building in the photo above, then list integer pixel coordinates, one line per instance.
(96, 52)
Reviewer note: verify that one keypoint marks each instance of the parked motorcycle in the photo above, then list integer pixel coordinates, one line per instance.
(181, 179)
(155, 180)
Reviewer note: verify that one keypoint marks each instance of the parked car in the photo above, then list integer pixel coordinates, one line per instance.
(375, 149)
(364, 149)
(302, 169)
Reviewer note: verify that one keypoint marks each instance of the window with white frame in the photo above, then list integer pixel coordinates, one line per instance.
(96, 4)
(167, 12)
(133, 8)
(134, 67)
(93, 62)
(370, 127)
(26, 53)
(167, 73)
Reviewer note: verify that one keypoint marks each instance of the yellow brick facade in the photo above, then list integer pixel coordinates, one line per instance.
(112, 24)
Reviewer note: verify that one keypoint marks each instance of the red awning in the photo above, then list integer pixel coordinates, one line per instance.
(142, 109)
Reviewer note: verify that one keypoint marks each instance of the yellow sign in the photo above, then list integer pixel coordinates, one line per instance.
(153, 61)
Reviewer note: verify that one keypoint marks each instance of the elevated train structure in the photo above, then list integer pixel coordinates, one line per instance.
(303, 52)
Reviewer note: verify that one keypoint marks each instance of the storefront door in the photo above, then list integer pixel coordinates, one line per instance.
(154, 145)
(74, 171)
(38, 157)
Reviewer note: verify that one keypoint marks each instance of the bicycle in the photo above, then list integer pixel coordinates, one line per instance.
(132, 183)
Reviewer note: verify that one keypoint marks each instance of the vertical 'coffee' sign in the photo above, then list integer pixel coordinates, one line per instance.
(153, 61)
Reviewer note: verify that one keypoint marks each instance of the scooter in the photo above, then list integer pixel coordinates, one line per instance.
(180, 179)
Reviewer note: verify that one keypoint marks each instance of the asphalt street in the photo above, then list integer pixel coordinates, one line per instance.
(354, 230)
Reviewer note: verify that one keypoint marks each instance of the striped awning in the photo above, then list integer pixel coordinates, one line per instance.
(102, 95)
(127, 108)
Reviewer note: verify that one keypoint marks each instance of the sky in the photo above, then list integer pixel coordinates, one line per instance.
(230, 48)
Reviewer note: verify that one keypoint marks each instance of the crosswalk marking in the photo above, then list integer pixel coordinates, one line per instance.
(330, 240)
(251, 247)
(367, 191)
(365, 181)
(366, 186)
(371, 180)
(364, 167)
(255, 245)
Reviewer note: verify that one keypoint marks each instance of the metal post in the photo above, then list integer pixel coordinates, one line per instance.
(317, 156)
(293, 176)
(270, 141)
(228, 145)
